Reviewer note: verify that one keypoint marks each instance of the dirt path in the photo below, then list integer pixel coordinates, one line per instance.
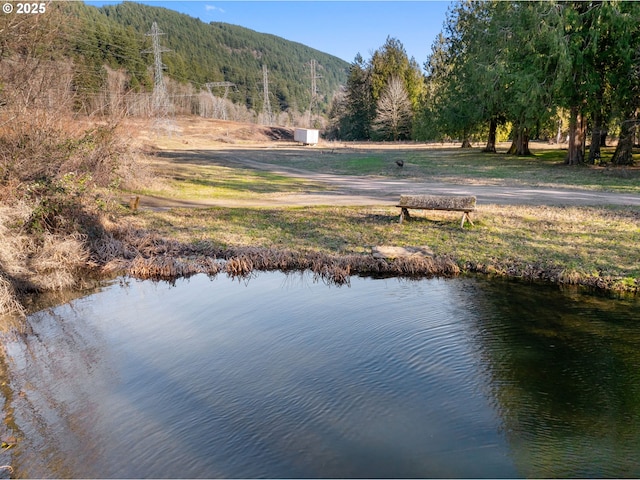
(359, 191)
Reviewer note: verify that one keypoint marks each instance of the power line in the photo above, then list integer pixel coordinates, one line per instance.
(314, 91)
(266, 104)
(161, 105)
(220, 107)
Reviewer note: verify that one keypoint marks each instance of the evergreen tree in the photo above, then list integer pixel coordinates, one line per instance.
(529, 35)
(391, 61)
(359, 109)
(521, 61)
(624, 75)
(456, 92)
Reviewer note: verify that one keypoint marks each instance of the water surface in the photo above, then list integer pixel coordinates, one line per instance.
(282, 377)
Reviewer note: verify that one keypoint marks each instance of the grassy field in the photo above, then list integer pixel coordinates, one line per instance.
(585, 245)
(200, 182)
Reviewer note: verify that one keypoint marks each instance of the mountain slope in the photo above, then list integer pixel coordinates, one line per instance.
(201, 53)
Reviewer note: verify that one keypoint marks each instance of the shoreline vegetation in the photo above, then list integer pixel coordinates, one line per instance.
(584, 246)
(60, 228)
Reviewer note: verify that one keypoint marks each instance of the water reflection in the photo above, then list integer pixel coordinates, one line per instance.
(57, 372)
(284, 377)
(565, 376)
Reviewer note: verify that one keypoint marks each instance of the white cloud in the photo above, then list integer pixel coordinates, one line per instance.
(213, 8)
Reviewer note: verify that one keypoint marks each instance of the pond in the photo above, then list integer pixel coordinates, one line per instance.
(279, 376)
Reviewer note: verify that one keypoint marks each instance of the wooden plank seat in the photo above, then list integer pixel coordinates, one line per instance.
(455, 203)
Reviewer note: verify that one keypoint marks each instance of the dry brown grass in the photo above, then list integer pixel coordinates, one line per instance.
(52, 169)
(166, 267)
(35, 263)
(145, 255)
(51, 165)
(9, 303)
(56, 260)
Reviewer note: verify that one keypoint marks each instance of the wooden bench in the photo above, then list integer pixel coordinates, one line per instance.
(455, 203)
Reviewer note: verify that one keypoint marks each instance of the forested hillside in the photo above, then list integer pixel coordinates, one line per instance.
(115, 35)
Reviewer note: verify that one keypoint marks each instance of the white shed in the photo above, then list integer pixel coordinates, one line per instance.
(307, 136)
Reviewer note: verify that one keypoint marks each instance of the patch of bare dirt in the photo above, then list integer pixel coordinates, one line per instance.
(198, 132)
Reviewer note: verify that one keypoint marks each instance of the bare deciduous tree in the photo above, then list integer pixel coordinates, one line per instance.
(393, 113)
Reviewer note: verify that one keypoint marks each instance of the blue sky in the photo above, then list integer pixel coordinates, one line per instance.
(341, 28)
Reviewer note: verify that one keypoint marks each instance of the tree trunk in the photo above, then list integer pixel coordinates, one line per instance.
(604, 131)
(623, 154)
(465, 140)
(520, 144)
(491, 140)
(576, 138)
(594, 148)
(559, 134)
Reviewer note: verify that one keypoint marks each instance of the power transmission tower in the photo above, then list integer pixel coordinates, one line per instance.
(160, 99)
(266, 104)
(314, 91)
(220, 107)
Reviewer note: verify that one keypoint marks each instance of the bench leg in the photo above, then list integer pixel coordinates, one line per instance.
(404, 214)
(465, 216)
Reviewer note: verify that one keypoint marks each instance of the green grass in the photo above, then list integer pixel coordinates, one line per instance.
(195, 182)
(356, 165)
